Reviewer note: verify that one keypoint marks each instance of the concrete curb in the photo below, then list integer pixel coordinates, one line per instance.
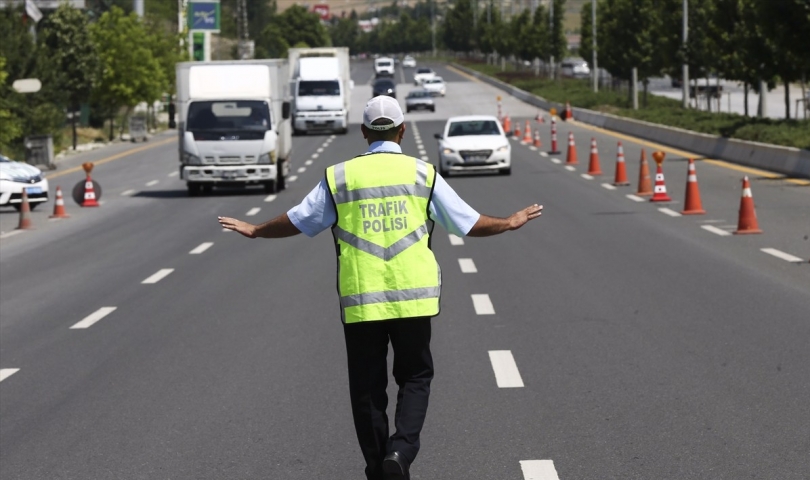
(793, 162)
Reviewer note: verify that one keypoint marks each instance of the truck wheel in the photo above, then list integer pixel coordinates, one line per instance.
(193, 189)
(270, 187)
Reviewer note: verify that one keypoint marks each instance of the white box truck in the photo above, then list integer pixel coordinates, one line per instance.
(234, 124)
(320, 82)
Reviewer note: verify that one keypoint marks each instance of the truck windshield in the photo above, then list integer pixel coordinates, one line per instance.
(318, 88)
(242, 118)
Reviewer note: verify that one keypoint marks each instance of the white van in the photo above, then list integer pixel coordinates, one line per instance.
(384, 66)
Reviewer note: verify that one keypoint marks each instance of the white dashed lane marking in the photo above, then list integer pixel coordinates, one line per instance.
(7, 372)
(608, 186)
(308, 163)
(570, 168)
(253, 211)
(635, 198)
(533, 148)
(315, 155)
(670, 212)
(455, 240)
(320, 149)
(586, 176)
(543, 154)
(292, 178)
(152, 183)
(556, 160)
(482, 304)
(538, 470)
(128, 193)
(467, 265)
(201, 248)
(174, 174)
(505, 368)
(425, 158)
(780, 254)
(160, 275)
(715, 230)
(94, 317)
(225, 230)
(302, 169)
(269, 198)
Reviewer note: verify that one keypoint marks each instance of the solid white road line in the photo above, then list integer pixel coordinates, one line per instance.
(780, 254)
(174, 174)
(505, 368)
(94, 317)
(152, 183)
(302, 169)
(253, 211)
(467, 265)
(482, 304)
(608, 186)
(201, 248)
(543, 154)
(556, 160)
(128, 193)
(586, 176)
(7, 372)
(11, 233)
(308, 163)
(570, 168)
(160, 275)
(454, 240)
(667, 211)
(538, 470)
(269, 198)
(634, 198)
(715, 230)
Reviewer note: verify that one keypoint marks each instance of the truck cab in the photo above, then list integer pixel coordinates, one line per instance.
(321, 87)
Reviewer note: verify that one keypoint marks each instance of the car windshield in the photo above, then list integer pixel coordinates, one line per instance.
(423, 70)
(418, 94)
(384, 64)
(384, 84)
(320, 88)
(473, 127)
(433, 80)
(231, 116)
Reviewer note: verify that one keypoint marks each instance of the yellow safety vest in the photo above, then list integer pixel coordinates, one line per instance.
(386, 269)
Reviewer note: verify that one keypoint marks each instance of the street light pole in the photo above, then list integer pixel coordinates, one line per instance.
(593, 47)
(685, 78)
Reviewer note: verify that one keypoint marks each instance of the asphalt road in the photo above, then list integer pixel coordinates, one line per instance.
(628, 343)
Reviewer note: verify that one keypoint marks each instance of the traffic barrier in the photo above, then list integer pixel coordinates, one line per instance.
(89, 192)
(554, 149)
(747, 222)
(537, 142)
(645, 188)
(692, 205)
(500, 115)
(59, 205)
(25, 213)
(660, 191)
(527, 133)
(571, 158)
(620, 179)
(507, 124)
(593, 163)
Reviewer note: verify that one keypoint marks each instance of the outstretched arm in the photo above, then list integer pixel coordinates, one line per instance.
(487, 226)
(278, 227)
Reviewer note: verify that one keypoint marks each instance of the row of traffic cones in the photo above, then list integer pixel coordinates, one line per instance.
(58, 205)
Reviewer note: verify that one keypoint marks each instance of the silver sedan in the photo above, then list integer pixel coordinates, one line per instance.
(419, 99)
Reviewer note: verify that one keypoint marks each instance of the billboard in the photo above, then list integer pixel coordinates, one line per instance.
(322, 10)
(203, 15)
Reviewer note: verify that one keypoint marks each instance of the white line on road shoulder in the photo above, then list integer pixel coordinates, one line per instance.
(670, 212)
(160, 275)
(780, 254)
(7, 372)
(715, 230)
(608, 186)
(152, 183)
(505, 368)
(570, 168)
(11, 233)
(269, 198)
(94, 317)
(586, 176)
(253, 211)
(482, 304)
(201, 248)
(455, 240)
(634, 198)
(128, 193)
(538, 470)
(467, 265)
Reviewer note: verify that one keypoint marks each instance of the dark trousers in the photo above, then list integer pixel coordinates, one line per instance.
(367, 351)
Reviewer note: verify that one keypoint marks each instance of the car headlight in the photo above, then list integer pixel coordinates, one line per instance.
(267, 158)
(504, 148)
(190, 159)
(448, 151)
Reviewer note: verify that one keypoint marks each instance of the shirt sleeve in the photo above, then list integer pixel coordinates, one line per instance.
(450, 211)
(315, 213)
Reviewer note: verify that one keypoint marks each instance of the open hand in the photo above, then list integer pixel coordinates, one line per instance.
(520, 218)
(246, 229)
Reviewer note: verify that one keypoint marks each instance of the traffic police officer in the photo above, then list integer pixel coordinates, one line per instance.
(381, 207)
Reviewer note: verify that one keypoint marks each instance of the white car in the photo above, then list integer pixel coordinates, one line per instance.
(16, 176)
(384, 66)
(435, 86)
(408, 62)
(422, 74)
(474, 143)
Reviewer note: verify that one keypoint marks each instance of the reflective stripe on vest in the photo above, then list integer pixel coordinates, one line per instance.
(386, 269)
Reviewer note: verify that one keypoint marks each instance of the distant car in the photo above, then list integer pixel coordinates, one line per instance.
(16, 176)
(419, 99)
(408, 62)
(435, 86)
(575, 68)
(384, 86)
(474, 143)
(384, 66)
(422, 74)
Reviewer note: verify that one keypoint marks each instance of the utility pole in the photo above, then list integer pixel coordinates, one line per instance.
(137, 6)
(593, 47)
(685, 78)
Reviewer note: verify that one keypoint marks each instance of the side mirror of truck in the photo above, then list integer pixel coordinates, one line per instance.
(172, 122)
(437, 136)
(285, 110)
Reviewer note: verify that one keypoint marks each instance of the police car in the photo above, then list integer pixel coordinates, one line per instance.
(16, 177)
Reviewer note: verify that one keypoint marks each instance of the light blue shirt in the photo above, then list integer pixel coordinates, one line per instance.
(316, 212)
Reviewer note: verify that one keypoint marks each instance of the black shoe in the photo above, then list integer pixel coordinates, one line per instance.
(395, 467)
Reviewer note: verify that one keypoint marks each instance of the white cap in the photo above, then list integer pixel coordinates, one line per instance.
(380, 107)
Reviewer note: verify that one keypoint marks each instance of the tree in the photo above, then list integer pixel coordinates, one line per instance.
(586, 33)
(65, 40)
(294, 25)
(345, 33)
(558, 44)
(458, 31)
(10, 127)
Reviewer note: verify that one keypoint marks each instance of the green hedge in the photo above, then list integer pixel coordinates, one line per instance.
(660, 110)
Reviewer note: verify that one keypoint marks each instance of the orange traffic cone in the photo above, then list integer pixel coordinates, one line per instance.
(527, 133)
(692, 206)
(59, 205)
(568, 114)
(593, 163)
(660, 191)
(537, 142)
(25, 213)
(644, 183)
(620, 179)
(507, 124)
(748, 216)
(571, 159)
(539, 118)
(89, 194)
